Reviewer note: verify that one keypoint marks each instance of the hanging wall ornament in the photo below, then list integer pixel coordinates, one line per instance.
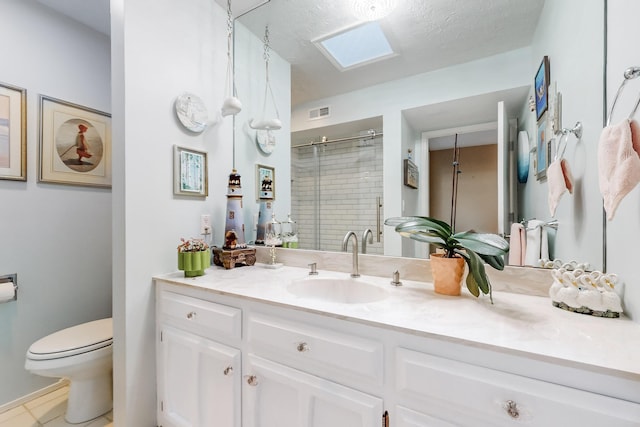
(231, 104)
(191, 112)
(266, 124)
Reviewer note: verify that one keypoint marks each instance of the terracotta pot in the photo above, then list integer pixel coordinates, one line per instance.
(447, 274)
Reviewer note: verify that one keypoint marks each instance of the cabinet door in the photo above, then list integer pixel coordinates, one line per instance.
(278, 396)
(198, 381)
(408, 418)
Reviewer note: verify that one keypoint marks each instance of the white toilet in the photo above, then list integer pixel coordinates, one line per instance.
(82, 354)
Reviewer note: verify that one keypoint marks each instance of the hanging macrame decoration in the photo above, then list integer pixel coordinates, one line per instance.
(231, 104)
(265, 125)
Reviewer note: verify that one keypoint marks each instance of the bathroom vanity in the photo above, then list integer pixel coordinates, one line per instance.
(259, 347)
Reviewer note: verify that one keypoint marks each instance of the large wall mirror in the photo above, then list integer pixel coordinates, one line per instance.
(446, 68)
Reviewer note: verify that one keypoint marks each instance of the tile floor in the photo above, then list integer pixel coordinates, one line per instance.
(47, 411)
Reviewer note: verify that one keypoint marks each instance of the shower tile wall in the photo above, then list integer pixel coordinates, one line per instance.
(348, 181)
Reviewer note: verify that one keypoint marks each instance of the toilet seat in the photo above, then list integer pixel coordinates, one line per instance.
(72, 341)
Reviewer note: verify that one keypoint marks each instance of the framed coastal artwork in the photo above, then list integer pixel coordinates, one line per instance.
(75, 144)
(190, 172)
(541, 87)
(266, 182)
(13, 133)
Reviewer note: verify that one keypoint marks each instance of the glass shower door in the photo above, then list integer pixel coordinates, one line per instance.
(337, 187)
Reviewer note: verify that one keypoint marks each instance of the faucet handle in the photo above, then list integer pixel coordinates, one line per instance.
(395, 280)
(313, 271)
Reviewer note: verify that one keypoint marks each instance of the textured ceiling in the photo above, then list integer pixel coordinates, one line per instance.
(427, 34)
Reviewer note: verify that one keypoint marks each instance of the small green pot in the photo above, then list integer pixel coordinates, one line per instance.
(194, 263)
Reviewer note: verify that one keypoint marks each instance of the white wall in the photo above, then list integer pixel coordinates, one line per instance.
(411, 196)
(623, 231)
(57, 238)
(161, 49)
(508, 70)
(575, 48)
(250, 82)
(164, 48)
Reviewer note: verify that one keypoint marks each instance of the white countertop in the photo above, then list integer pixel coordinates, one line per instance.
(517, 322)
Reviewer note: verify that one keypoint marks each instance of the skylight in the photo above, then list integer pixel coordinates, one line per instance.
(356, 46)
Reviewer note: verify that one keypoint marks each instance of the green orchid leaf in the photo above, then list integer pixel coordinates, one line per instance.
(496, 262)
(483, 243)
(472, 285)
(440, 227)
(397, 220)
(424, 237)
(423, 226)
(476, 268)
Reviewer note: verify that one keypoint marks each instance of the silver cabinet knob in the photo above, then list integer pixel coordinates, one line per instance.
(252, 380)
(228, 370)
(302, 347)
(191, 315)
(512, 409)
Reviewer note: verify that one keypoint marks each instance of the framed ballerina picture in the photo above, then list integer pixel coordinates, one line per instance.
(75, 144)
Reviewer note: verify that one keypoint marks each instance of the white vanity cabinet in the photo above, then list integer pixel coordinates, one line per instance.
(444, 391)
(199, 378)
(226, 360)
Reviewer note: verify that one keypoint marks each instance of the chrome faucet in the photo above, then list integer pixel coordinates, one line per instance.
(365, 233)
(345, 242)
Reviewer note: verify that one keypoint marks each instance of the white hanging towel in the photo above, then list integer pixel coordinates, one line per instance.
(537, 243)
(618, 163)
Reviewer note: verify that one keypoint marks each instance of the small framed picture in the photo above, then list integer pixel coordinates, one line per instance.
(541, 87)
(13, 133)
(75, 144)
(265, 182)
(190, 172)
(410, 174)
(542, 149)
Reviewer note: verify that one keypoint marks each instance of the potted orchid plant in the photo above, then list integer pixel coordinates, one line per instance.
(475, 249)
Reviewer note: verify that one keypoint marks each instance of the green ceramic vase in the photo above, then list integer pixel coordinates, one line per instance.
(194, 263)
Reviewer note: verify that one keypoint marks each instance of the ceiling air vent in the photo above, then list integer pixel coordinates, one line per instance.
(318, 113)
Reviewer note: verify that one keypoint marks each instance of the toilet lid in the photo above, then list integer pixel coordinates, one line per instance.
(74, 340)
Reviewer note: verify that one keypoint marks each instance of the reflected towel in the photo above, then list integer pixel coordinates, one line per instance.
(618, 163)
(537, 243)
(517, 244)
(560, 180)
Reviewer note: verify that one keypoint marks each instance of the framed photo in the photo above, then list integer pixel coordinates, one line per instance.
(13, 133)
(265, 182)
(75, 144)
(410, 174)
(541, 87)
(190, 174)
(542, 149)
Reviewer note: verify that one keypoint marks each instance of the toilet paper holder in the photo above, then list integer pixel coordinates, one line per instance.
(13, 278)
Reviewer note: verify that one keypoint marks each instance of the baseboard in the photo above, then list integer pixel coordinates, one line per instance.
(24, 399)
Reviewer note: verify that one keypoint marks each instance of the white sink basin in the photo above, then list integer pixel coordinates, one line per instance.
(340, 290)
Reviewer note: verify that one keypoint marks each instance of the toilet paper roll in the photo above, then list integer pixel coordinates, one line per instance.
(7, 292)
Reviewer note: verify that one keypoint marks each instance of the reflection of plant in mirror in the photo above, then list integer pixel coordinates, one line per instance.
(473, 247)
